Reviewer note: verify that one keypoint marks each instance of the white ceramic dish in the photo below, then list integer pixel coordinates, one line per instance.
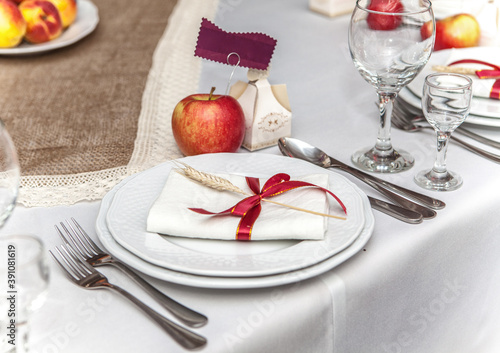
(127, 214)
(187, 279)
(85, 23)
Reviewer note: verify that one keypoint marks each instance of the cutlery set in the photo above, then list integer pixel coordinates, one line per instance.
(77, 257)
(413, 207)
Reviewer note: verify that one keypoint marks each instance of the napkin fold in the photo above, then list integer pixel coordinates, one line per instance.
(170, 214)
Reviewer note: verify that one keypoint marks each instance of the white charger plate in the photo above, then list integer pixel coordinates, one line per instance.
(187, 279)
(480, 107)
(126, 220)
(86, 21)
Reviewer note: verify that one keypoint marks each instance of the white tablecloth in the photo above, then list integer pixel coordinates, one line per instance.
(433, 287)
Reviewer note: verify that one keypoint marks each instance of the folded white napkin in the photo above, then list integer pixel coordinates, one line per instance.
(170, 214)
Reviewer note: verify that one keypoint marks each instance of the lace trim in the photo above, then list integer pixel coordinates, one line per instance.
(174, 74)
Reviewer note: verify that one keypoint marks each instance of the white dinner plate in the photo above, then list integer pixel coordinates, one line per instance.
(86, 21)
(187, 279)
(409, 97)
(481, 107)
(126, 219)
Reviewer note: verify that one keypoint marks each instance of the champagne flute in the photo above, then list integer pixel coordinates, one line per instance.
(446, 104)
(9, 175)
(389, 48)
(24, 281)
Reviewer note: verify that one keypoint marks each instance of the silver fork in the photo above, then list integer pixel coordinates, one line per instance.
(399, 121)
(415, 115)
(84, 275)
(79, 240)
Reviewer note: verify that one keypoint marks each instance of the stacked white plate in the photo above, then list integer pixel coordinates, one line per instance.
(484, 111)
(121, 227)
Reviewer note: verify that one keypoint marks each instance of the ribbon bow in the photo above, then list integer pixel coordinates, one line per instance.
(249, 208)
(485, 74)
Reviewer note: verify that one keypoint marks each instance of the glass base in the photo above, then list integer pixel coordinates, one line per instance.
(373, 160)
(428, 179)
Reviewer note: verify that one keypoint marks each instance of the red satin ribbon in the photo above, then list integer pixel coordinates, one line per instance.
(485, 74)
(249, 208)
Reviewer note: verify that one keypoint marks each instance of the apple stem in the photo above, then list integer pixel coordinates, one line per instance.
(211, 92)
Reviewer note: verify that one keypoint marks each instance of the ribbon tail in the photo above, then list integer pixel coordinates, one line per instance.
(294, 184)
(244, 231)
(203, 211)
(495, 90)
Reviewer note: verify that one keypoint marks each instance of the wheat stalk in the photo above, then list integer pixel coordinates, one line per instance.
(210, 180)
(455, 70)
(221, 184)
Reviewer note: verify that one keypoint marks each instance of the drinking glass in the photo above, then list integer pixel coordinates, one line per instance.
(24, 282)
(389, 50)
(446, 103)
(9, 175)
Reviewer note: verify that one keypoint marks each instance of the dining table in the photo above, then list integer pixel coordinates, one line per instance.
(105, 117)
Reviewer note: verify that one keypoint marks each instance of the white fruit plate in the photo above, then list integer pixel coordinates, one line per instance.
(86, 21)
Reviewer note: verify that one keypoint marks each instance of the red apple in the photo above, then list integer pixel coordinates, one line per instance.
(12, 24)
(43, 20)
(384, 22)
(458, 31)
(207, 123)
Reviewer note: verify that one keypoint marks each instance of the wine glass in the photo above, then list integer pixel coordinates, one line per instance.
(24, 281)
(446, 103)
(9, 175)
(387, 46)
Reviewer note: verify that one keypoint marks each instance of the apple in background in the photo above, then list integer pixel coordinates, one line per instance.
(67, 11)
(207, 123)
(457, 31)
(12, 24)
(384, 22)
(43, 20)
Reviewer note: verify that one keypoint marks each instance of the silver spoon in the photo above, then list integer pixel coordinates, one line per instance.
(398, 212)
(302, 150)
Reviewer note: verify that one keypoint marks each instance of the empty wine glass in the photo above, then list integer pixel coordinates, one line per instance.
(9, 175)
(389, 47)
(446, 103)
(24, 281)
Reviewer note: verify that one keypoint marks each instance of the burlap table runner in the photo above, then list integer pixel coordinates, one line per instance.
(86, 116)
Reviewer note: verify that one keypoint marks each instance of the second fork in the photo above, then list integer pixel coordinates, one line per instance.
(84, 275)
(80, 241)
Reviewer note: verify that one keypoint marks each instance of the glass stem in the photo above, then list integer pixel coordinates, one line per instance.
(439, 168)
(384, 145)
